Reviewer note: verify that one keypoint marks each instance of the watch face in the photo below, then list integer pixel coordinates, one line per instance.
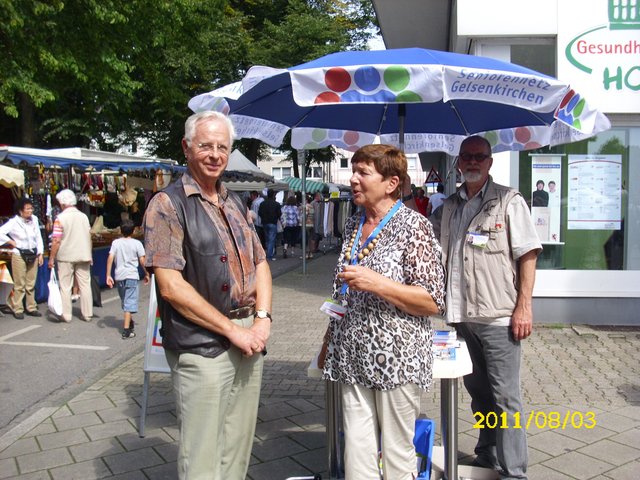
(262, 314)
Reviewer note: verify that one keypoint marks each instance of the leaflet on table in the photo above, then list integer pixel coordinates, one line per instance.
(448, 353)
(445, 338)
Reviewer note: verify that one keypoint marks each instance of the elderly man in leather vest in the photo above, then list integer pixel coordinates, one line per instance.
(214, 297)
(490, 247)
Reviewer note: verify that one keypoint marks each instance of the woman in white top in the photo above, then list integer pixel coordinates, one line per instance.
(22, 234)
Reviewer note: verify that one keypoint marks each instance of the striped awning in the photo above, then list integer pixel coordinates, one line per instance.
(295, 184)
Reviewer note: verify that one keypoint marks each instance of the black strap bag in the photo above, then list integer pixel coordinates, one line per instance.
(29, 255)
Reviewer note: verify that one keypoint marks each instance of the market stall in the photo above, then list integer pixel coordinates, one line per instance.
(95, 177)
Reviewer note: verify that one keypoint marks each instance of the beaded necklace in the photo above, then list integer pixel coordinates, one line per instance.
(353, 254)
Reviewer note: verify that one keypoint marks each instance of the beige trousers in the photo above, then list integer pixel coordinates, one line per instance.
(377, 421)
(24, 284)
(82, 272)
(217, 405)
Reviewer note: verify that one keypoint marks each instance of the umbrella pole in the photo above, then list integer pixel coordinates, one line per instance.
(402, 113)
(302, 162)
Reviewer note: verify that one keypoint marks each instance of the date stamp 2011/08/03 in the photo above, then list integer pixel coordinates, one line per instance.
(536, 419)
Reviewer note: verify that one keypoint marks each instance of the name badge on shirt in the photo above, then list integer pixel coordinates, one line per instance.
(333, 309)
(477, 240)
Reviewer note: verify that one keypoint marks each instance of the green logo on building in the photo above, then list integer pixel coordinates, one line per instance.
(624, 15)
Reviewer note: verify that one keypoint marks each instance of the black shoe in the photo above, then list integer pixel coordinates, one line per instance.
(19, 315)
(484, 463)
(128, 333)
(5, 309)
(35, 313)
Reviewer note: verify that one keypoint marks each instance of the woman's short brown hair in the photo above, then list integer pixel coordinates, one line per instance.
(388, 161)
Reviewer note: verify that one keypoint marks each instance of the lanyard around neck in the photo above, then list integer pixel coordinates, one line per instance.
(355, 250)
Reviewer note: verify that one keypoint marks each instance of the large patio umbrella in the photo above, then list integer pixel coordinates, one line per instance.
(418, 99)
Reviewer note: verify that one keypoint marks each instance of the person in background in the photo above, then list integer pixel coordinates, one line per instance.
(436, 200)
(71, 248)
(270, 212)
(51, 218)
(390, 277)
(291, 224)
(317, 223)
(22, 232)
(489, 247)
(256, 200)
(214, 296)
(308, 219)
(422, 202)
(128, 254)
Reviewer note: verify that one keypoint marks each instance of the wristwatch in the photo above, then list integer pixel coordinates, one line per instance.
(263, 314)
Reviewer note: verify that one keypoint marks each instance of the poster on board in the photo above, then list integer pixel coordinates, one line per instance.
(154, 358)
(546, 183)
(594, 198)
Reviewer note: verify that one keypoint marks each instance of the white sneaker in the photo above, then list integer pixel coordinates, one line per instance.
(75, 297)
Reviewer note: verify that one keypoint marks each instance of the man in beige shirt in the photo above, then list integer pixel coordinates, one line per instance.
(71, 248)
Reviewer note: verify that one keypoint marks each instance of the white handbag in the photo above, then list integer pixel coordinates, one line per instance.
(55, 299)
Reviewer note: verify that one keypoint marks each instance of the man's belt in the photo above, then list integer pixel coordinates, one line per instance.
(242, 312)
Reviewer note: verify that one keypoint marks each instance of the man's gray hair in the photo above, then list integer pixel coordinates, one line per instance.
(66, 197)
(193, 120)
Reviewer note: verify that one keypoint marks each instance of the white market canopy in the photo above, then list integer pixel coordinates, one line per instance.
(242, 175)
(11, 177)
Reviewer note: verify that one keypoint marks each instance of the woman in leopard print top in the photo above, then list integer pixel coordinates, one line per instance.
(390, 278)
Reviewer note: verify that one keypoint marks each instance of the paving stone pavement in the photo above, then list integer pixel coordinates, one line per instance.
(581, 388)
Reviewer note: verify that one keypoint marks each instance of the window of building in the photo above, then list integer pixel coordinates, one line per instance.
(314, 172)
(599, 202)
(281, 172)
(344, 162)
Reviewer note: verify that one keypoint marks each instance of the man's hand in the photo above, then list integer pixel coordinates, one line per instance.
(246, 339)
(52, 262)
(262, 327)
(110, 281)
(521, 323)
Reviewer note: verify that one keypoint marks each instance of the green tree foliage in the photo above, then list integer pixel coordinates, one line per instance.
(113, 72)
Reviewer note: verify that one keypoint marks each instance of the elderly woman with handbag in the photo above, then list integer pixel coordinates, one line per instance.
(389, 280)
(22, 233)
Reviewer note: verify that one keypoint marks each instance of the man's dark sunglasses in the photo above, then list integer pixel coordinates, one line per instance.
(478, 157)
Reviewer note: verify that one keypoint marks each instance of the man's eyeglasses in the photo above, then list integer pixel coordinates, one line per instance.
(478, 157)
(210, 148)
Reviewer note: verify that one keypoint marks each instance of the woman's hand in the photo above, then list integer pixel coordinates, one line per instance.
(411, 299)
(361, 278)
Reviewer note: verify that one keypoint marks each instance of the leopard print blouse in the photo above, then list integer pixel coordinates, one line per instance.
(376, 345)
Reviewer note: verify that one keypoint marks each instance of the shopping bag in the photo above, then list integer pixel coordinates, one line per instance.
(95, 291)
(55, 299)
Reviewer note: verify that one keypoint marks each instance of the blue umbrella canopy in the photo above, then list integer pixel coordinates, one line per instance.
(418, 99)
